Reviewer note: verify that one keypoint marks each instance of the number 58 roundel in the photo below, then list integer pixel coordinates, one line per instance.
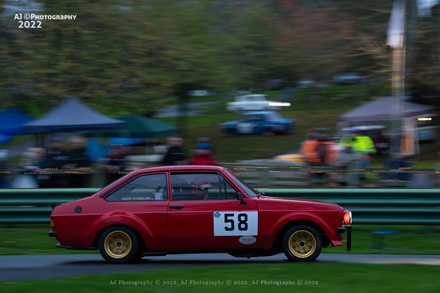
(235, 223)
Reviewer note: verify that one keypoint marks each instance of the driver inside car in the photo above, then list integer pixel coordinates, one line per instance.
(200, 188)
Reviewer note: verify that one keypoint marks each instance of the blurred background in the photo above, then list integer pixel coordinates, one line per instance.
(286, 93)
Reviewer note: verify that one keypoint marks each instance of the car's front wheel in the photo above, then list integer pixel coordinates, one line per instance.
(302, 244)
(118, 244)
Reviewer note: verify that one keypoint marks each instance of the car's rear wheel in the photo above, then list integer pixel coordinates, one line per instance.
(302, 244)
(118, 245)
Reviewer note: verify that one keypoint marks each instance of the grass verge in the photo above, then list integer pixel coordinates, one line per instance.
(290, 277)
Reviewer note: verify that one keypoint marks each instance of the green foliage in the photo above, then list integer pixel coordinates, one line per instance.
(137, 56)
(132, 56)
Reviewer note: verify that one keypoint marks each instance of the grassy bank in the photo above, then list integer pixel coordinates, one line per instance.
(311, 108)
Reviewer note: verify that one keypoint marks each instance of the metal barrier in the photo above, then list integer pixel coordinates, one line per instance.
(377, 206)
(369, 206)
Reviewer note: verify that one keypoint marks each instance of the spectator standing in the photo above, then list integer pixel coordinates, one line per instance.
(308, 149)
(116, 162)
(203, 157)
(204, 153)
(4, 166)
(348, 159)
(55, 158)
(39, 157)
(204, 143)
(175, 154)
(26, 172)
(322, 151)
(77, 159)
(364, 146)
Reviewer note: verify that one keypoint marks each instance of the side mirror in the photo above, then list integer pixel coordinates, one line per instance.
(240, 197)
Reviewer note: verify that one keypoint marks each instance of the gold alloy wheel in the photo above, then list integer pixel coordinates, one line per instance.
(117, 244)
(302, 244)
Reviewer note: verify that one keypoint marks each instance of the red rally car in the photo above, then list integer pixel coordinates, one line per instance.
(196, 209)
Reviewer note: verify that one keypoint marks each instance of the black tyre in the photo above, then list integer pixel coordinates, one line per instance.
(232, 132)
(302, 244)
(139, 255)
(268, 131)
(118, 245)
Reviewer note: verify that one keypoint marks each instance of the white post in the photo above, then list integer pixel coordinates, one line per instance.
(396, 40)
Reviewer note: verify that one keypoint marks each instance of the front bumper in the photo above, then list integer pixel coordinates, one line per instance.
(341, 230)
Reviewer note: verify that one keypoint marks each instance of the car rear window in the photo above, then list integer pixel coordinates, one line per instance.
(151, 187)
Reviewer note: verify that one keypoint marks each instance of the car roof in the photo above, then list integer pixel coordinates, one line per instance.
(252, 95)
(179, 168)
(364, 127)
(258, 112)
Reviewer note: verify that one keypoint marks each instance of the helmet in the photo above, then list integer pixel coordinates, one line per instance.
(200, 188)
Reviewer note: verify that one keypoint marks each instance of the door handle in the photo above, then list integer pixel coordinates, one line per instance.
(177, 207)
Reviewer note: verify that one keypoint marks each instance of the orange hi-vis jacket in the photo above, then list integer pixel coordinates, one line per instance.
(309, 150)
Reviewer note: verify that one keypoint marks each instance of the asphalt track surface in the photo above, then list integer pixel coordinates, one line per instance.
(24, 267)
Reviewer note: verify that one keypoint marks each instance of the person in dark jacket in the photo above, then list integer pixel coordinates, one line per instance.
(77, 159)
(175, 154)
(55, 158)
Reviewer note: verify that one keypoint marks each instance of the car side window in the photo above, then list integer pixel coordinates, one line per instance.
(143, 188)
(201, 186)
(254, 118)
(226, 190)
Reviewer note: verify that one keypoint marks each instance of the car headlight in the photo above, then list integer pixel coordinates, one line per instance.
(348, 219)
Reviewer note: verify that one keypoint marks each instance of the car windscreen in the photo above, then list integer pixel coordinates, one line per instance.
(260, 98)
(249, 118)
(273, 117)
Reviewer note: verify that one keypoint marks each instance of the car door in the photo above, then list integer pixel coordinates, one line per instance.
(146, 198)
(260, 124)
(204, 212)
(249, 125)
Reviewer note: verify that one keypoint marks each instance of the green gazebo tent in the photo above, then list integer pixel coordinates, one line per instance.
(138, 127)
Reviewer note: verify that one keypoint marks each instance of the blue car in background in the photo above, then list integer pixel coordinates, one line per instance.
(259, 122)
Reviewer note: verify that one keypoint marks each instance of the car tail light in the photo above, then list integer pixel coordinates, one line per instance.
(347, 218)
(52, 223)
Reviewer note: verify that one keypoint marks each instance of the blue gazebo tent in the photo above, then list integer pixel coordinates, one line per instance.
(4, 138)
(12, 122)
(72, 116)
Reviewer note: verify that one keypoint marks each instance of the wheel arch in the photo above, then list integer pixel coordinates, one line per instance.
(120, 219)
(140, 238)
(278, 240)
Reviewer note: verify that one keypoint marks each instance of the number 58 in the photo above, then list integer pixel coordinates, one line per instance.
(242, 222)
